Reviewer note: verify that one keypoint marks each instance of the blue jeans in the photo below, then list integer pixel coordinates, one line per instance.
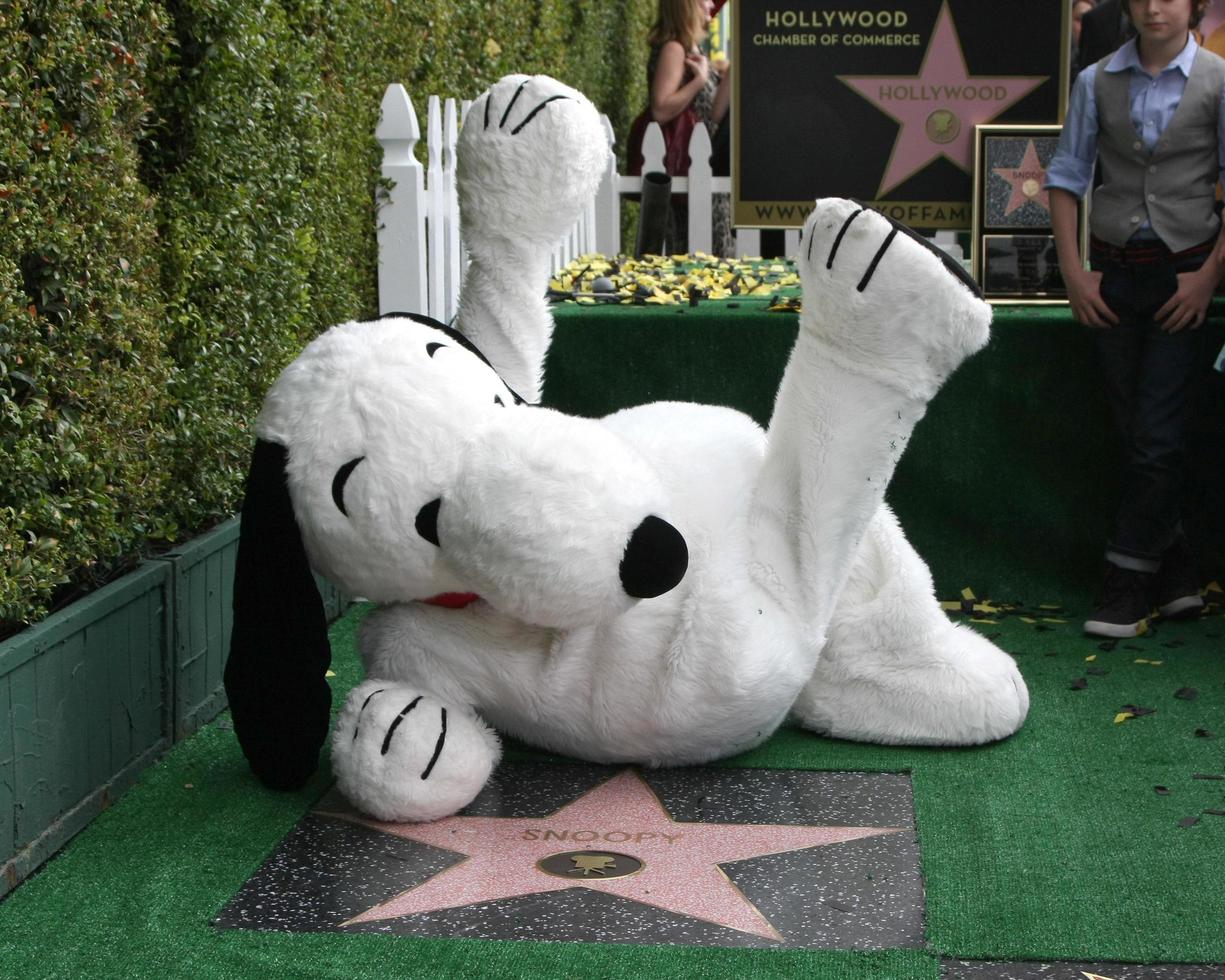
(1149, 376)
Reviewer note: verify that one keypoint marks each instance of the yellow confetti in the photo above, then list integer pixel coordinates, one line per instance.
(1122, 716)
(952, 606)
(330, 673)
(1049, 605)
(1092, 657)
(993, 622)
(492, 48)
(1154, 663)
(1026, 619)
(967, 593)
(1213, 587)
(585, 300)
(1047, 619)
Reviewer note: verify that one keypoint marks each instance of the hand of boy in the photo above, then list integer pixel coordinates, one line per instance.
(1189, 304)
(1085, 298)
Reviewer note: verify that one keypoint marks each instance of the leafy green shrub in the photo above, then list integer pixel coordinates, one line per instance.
(187, 195)
(83, 368)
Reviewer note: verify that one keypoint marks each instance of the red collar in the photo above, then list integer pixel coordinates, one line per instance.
(452, 600)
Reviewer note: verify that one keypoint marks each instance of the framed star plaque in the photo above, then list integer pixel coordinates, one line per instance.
(1012, 251)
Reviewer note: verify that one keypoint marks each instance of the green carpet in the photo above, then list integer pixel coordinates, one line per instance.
(1054, 844)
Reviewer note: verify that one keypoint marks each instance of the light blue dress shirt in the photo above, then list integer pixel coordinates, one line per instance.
(1153, 101)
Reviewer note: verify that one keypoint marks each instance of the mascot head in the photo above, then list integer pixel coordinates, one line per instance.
(393, 460)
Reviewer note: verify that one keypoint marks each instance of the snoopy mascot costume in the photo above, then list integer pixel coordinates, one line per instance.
(664, 586)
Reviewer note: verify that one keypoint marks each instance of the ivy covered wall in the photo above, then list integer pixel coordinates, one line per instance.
(186, 197)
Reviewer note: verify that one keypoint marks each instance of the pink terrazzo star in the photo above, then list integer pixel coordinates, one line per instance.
(1026, 181)
(623, 816)
(939, 107)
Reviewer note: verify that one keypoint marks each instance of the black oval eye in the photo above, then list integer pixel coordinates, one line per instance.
(432, 349)
(339, 480)
(497, 400)
(427, 521)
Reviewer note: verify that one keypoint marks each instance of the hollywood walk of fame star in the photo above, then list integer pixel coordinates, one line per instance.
(938, 108)
(1026, 181)
(680, 860)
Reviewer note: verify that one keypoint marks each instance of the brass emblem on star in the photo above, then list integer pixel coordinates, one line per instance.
(590, 865)
(942, 126)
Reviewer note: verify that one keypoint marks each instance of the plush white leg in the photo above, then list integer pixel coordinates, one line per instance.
(531, 155)
(884, 323)
(896, 670)
(400, 754)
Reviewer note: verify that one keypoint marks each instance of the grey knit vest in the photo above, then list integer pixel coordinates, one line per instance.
(1174, 186)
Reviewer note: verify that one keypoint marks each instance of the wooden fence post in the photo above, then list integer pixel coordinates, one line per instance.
(435, 203)
(452, 246)
(607, 214)
(701, 226)
(401, 211)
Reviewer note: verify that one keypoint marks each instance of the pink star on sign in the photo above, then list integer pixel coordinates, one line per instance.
(679, 861)
(939, 107)
(1026, 181)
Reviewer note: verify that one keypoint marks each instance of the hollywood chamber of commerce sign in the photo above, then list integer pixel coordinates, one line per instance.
(878, 101)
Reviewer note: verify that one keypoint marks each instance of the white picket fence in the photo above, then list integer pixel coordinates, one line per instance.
(421, 256)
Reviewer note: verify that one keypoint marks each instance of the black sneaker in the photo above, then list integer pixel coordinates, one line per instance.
(1123, 609)
(1175, 586)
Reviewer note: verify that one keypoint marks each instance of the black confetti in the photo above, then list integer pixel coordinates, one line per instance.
(1162, 790)
(1137, 711)
(1206, 775)
(1215, 813)
(1186, 694)
(1203, 733)
(1188, 821)
(1079, 684)
(1097, 671)
(1108, 645)
(1173, 644)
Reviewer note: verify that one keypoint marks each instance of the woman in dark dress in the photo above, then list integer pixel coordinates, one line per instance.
(680, 77)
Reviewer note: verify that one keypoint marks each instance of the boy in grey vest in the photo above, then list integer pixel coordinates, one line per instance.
(1154, 114)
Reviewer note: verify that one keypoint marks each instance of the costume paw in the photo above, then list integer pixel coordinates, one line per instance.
(402, 755)
(889, 304)
(531, 154)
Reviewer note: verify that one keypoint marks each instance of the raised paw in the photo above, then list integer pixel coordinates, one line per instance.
(403, 755)
(890, 304)
(531, 154)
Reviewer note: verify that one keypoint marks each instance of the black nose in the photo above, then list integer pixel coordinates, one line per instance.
(655, 559)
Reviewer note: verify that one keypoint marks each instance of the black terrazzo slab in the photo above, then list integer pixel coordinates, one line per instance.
(864, 893)
(1061, 970)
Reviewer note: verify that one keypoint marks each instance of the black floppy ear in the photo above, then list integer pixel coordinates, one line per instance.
(279, 654)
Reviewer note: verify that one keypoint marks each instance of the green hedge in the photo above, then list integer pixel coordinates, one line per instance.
(186, 197)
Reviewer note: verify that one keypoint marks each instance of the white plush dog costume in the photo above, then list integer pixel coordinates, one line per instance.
(662, 586)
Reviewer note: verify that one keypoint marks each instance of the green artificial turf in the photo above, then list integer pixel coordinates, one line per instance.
(1053, 844)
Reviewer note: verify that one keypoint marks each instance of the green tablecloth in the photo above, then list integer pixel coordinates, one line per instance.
(1011, 473)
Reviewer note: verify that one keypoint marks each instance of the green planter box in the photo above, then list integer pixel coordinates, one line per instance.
(97, 692)
(84, 707)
